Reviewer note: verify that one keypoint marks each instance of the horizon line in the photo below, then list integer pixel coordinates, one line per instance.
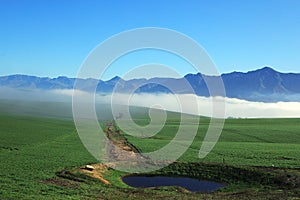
(178, 77)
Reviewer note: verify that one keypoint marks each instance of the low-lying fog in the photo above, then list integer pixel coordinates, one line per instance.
(233, 107)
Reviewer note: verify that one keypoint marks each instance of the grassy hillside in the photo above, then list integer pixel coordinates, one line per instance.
(251, 142)
(34, 149)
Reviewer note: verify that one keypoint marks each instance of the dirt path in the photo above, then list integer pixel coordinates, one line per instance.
(97, 172)
(118, 150)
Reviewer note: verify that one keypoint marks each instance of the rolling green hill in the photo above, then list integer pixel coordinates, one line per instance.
(34, 149)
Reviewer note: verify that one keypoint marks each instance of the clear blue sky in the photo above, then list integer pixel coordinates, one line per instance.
(53, 37)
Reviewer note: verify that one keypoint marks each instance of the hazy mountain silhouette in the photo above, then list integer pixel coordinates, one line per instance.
(266, 84)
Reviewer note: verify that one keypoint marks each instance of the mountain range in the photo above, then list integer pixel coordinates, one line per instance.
(264, 85)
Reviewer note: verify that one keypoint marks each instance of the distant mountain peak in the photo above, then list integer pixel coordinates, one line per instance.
(192, 75)
(62, 77)
(116, 78)
(266, 70)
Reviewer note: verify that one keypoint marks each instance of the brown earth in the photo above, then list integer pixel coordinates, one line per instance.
(97, 173)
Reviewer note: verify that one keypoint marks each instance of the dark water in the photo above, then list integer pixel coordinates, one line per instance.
(190, 184)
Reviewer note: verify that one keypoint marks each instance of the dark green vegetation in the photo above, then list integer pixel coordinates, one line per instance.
(39, 155)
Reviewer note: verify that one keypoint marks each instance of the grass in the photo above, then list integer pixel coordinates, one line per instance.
(33, 150)
(249, 142)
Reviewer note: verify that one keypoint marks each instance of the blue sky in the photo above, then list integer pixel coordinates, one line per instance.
(53, 37)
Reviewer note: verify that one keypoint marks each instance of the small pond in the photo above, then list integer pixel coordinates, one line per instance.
(191, 184)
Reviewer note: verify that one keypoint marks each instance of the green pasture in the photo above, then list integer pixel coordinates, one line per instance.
(34, 148)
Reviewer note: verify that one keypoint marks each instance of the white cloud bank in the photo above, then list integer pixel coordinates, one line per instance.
(233, 107)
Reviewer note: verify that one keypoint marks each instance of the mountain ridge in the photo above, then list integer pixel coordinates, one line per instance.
(265, 84)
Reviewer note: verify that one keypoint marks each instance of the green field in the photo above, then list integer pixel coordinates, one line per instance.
(250, 142)
(35, 150)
